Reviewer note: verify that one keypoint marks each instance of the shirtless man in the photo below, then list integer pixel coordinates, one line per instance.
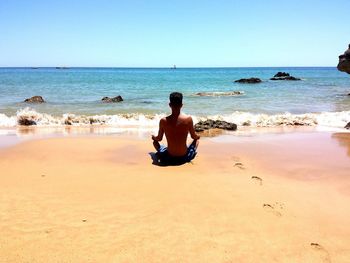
(176, 128)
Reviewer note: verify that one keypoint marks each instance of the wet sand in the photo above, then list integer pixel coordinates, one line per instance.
(268, 198)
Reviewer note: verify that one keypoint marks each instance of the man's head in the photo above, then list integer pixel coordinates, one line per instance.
(175, 100)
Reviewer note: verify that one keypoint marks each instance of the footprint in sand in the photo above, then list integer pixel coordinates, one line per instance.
(321, 252)
(239, 165)
(273, 208)
(257, 180)
(237, 162)
(279, 205)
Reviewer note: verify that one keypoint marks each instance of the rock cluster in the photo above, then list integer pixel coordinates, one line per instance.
(35, 99)
(347, 126)
(112, 100)
(249, 81)
(344, 61)
(214, 124)
(278, 76)
(283, 76)
(25, 121)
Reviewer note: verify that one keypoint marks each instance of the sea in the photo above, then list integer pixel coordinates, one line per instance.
(73, 96)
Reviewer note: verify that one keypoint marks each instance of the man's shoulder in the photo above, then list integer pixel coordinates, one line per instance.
(186, 117)
(183, 118)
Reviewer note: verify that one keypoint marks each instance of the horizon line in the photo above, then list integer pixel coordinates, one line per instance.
(146, 67)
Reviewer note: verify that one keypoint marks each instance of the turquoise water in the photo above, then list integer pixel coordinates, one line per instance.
(79, 90)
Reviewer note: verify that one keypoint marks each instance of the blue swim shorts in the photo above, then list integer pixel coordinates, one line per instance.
(164, 158)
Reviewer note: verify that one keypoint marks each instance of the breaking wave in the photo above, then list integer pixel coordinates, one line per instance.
(219, 94)
(29, 116)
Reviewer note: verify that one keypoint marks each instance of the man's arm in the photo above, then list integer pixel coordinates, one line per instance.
(194, 136)
(159, 137)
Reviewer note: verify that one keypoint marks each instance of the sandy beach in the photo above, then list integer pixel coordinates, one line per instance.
(264, 198)
(89, 90)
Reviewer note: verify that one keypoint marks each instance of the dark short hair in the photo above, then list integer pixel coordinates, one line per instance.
(175, 99)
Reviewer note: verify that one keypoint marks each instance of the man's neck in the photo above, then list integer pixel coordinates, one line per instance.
(175, 114)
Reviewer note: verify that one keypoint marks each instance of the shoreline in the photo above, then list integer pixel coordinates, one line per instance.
(13, 136)
(99, 198)
(134, 130)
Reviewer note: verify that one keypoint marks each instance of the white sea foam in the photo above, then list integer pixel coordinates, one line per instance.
(325, 119)
(219, 94)
(7, 121)
(328, 119)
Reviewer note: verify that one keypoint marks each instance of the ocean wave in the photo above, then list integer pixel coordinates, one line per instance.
(327, 119)
(219, 94)
(29, 116)
(7, 121)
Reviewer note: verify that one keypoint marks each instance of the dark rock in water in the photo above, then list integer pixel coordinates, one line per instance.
(344, 61)
(35, 99)
(249, 81)
(211, 124)
(285, 78)
(281, 74)
(112, 100)
(26, 122)
(68, 121)
(347, 126)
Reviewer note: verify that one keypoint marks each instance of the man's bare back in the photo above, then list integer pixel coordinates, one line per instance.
(176, 128)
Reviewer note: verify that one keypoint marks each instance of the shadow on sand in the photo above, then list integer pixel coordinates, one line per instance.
(156, 161)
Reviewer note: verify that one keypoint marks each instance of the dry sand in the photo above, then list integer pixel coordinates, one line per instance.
(280, 198)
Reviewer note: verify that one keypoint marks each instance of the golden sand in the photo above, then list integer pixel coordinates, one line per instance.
(281, 198)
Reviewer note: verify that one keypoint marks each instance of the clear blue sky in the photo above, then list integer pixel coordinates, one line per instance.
(160, 33)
